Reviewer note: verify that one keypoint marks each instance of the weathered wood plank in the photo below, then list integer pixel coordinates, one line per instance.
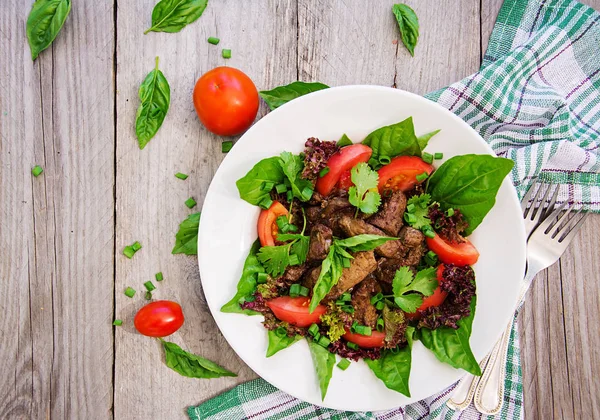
(56, 290)
(150, 200)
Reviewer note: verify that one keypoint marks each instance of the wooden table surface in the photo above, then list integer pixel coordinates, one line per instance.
(62, 273)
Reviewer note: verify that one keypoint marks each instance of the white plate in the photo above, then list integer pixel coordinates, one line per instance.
(228, 228)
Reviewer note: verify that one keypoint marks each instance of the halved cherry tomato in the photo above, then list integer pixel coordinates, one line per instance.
(463, 253)
(376, 339)
(345, 159)
(401, 173)
(159, 319)
(267, 223)
(295, 310)
(345, 181)
(436, 299)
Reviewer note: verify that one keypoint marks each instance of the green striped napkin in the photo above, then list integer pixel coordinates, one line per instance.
(536, 100)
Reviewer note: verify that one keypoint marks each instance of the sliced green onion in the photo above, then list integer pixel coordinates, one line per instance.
(307, 193)
(316, 337)
(344, 141)
(267, 186)
(313, 329)
(226, 146)
(149, 286)
(282, 222)
(348, 309)
(324, 341)
(450, 212)
(289, 195)
(427, 157)
(363, 330)
(181, 176)
(213, 40)
(384, 160)
(323, 172)
(429, 233)
(117, 322)
(431, 258)
(136, 246)
(343, 364)
(353, 326)
(431, 254)
(128, 251)
(346, 262)
(249, 299)
(159, 276)
(294, 259)
(148, 295)
(262, 278)
(340, 302)
(304, 291)
(346, 297)
(294, 290)
(129, 292)
(410, 208)
(280, 188)
(438, 155)
(281, 332)
(352, 345)
(37, 170)
(379, 305)
(190, 202)
(374, 300)
(226, 53)
(422, 177)
(266, 203)
(410, 218)
(380, 325)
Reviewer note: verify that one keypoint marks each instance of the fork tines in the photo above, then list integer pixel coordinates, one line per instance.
(538, 202)
(565, 224)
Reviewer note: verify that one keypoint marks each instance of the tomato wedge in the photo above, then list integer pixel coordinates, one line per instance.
(267, 226)
(401, 173)
(295, 310)
(436, 299)
(460, 254)
(345, 181)
(343, 160)
(376, 339)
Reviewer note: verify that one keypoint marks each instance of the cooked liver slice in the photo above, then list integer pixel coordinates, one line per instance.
(364, 312)
(320, 241)
(361, 266)
(390, 217)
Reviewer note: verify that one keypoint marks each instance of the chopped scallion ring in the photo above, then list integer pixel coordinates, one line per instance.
(438, 155)
(343, 364)
(213, 40)
(136, 246)
(181, 176)
(226, 53)
(159, 276)
(37, 170)
(149, 286)
(352, 345)
(190, 202)
(129, 292)
(422, 177)
(117, 322)
(313, 329)
(384, 160)
(226, 146)
(262, 278)
(323, 172)
(280, 188)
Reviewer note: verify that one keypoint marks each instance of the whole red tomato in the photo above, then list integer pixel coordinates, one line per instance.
(226, 101)
(159, 319)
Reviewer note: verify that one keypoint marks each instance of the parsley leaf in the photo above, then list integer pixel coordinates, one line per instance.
(275, 259)
(425, 283)
(292, 166)
(300, 245)
(363, 194)
(420, 211)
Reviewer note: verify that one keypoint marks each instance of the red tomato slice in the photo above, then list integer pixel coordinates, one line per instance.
(345, 181)
(401, 173)
(345, 159)
(376, 339)
(295, 310)
(460, 254)
(436, 299)
(267, 223)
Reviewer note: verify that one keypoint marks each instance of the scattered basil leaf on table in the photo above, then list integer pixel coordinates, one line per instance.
(393, 368)
(408, 23)
(247, 283)
(174, 15)
(186, 239)
(191, 365)
(469, 183)
(424, 139)
(452, 346)
(324, 361)
(393, 140)
(420, 210)
(250, 185)
(45, 21)
(155, 97)
(364, 194)
(283, 94)
(292, 166)
(405, 283)
(277, 342)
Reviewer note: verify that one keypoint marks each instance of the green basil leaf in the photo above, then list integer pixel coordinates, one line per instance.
(155, 97)
(469, 183)
(247, 283)
(277, 343)
(45, 21)
(424, 139)
(452, 346)
(191, 365)
(331, 271)
(344, 141)
(324, 361)
(283, 94)
(267, 170)
(408, 22)
(186, 239)
(393, 368)
(393, 140)
(364, 242)
(292, 166)
(174, 15)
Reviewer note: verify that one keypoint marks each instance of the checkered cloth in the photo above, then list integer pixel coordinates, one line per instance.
(535, 100)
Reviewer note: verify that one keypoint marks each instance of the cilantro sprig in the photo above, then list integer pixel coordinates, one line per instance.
(363, 194)
(405, 284)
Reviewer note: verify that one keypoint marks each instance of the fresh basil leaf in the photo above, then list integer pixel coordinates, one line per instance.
(452, 346)
(155, 97)
(292, 166)
(267, 170)
(344, 141)
(469, 183)
(331, 271)
(408, 22)
(424, 139)
(186, 239)
(247, 284)
(191, 365)
(45, 21)
(364, 242)
(324, 361)
(174, 15)
(283, 94)
(393, 368)
(393, 140)
(277, 343)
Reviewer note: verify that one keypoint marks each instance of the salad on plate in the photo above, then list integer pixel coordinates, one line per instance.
(363, 249)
